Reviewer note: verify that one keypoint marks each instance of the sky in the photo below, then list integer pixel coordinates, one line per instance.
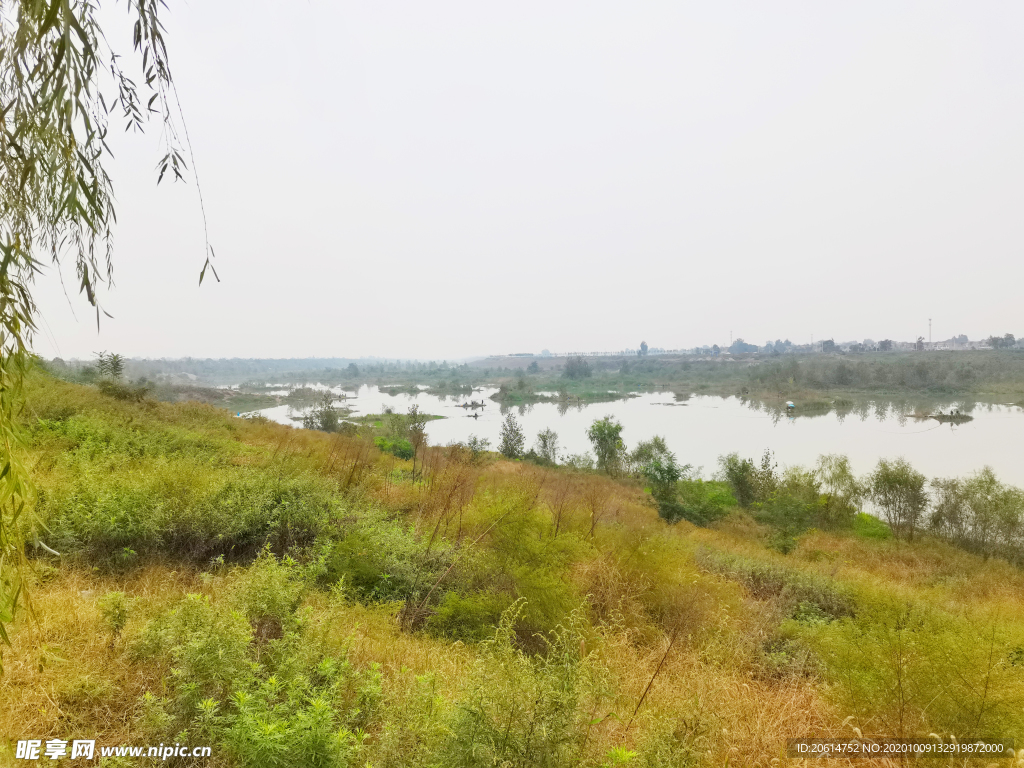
(451, 179)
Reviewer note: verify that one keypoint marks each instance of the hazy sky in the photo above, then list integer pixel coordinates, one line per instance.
(445, 179)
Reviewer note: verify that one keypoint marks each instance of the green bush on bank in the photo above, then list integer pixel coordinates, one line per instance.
(702, 502)
(267, 697)
(398, 447)
(904, 668)
(552, 699)
(469, 618)
(178, 509)
(802, 594)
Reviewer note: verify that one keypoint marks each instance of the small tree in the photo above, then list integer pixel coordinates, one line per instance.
(885, 345)
(991, 511)
(417, 433)
(110, 366)
(323, 416)
(645, 452)
(643, 347)
(577, 367)
(477, 446)
(663, 473)
(605, 436)
(951, 515)
(513, 441)
(766, 477)
(741, 475)
(547, 445)
(842, 492)
(897, 489)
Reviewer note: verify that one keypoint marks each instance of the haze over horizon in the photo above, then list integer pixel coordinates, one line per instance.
(455, 180)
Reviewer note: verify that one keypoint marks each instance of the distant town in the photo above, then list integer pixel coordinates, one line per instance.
(824, 346)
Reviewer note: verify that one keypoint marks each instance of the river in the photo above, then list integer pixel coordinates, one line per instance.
(702, 428)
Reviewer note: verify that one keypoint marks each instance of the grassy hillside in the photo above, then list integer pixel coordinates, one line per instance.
(293, 598)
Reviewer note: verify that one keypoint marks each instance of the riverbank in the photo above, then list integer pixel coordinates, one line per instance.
(221, 577)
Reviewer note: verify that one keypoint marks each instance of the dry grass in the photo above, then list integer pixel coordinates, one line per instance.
(63, 676)
(928, 570)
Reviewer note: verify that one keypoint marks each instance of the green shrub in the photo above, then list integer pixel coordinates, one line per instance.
(323, 416)
(523, 560)
(740, 474)
(842, 491)
(750, 483)
(176, 508)
(382, 559)
(121, 391)
(399, 447)
(785, 657)
(789, 516)
(702, 502)
(207, 646)
(291, 724)
(525, 711)
(302, 704)
(114, 608)
(467, 617)
(795, 589)
(907, 670)
(266, 594)
(790, 504)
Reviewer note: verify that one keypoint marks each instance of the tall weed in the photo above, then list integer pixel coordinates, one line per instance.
(534, 712)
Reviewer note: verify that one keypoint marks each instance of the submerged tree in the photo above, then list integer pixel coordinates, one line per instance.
(60, 83)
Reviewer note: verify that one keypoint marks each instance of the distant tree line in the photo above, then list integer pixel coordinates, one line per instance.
(953, 372)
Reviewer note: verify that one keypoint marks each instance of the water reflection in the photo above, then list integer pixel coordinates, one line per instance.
(898, 409)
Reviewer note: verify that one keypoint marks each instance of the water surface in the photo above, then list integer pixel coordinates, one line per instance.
(702, 428)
